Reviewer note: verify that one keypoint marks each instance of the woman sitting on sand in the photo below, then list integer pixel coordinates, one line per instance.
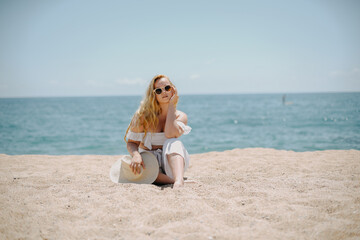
(155, 127)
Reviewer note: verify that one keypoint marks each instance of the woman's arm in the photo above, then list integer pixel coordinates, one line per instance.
(133, 147)
(132, 144)
(172, 129)
(136, 160)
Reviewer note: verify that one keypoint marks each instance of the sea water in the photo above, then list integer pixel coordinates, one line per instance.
(96, 125)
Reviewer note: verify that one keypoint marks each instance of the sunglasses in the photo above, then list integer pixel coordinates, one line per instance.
(158, 91)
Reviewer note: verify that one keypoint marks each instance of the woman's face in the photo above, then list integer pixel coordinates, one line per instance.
(165, 96)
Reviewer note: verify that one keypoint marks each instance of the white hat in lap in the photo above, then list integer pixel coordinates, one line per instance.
(121, 172)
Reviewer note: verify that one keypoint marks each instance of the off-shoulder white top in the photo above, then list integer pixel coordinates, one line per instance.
(154, 138)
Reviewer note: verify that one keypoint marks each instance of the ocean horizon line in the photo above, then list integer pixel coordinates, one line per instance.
(185, 94)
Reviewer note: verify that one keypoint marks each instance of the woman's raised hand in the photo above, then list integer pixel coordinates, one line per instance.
(136, 163)
(174, 97)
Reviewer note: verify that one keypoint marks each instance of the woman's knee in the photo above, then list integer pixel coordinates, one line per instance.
(173, 144)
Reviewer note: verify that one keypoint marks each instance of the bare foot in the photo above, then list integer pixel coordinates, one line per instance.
(178, 184)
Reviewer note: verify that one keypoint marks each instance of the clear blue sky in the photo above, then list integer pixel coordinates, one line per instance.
(100, 48)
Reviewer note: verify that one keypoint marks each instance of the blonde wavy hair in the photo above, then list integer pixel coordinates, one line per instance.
(149, 110)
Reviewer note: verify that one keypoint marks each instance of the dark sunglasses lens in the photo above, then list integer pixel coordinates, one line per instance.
(158, 91)
(168, 88)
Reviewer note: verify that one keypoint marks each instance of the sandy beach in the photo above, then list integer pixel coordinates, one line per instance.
(238, 194)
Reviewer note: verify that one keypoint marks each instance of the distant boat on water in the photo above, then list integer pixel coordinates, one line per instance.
(284, 100)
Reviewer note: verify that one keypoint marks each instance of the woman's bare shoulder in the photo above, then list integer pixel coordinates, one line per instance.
(137, 129)
(136, 126)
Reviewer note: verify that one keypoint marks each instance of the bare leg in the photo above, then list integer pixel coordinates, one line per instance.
(163, 179)
(177, 167)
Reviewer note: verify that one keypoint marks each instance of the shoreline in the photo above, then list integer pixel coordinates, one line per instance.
(251, 193)
(191, 154)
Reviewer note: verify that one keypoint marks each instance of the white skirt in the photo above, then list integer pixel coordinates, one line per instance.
(171, 146)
